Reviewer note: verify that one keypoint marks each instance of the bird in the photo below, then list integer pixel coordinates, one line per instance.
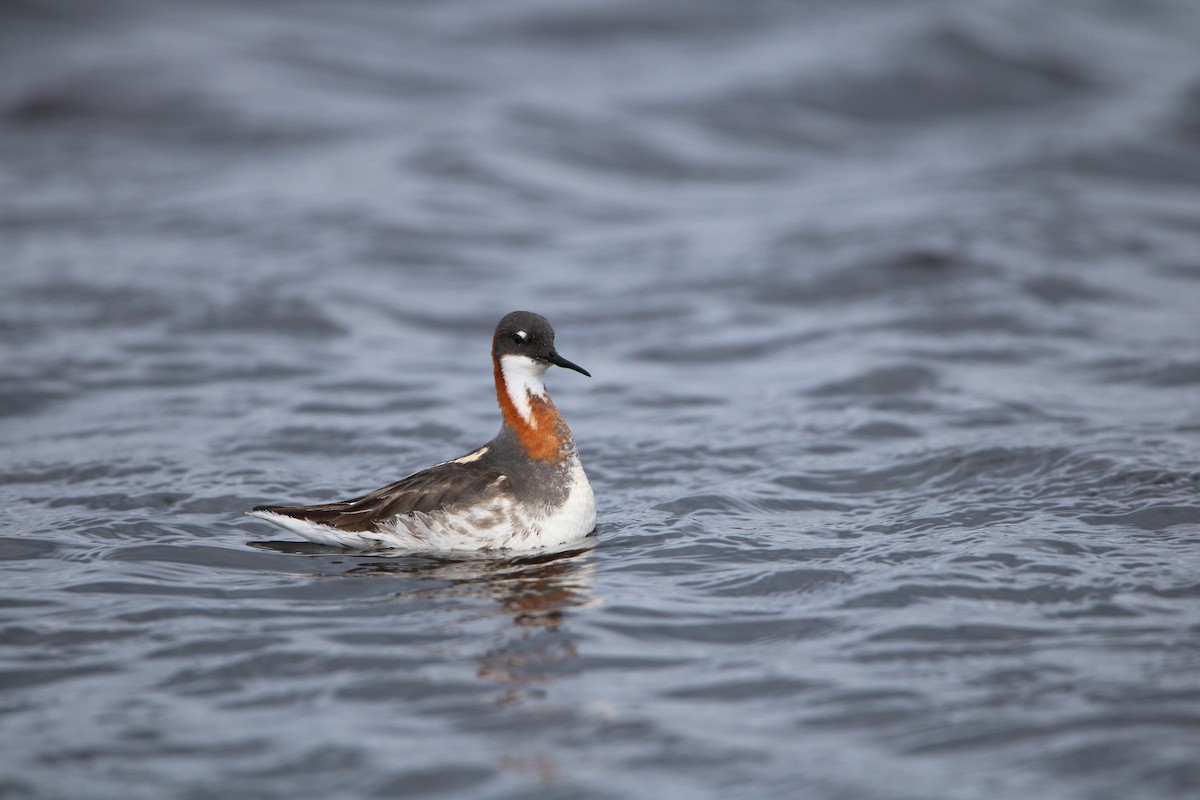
(525, 490)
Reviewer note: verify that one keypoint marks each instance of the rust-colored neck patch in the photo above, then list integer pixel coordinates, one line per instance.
(544, 437)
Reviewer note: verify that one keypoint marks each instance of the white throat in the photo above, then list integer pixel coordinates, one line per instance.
(523, 380)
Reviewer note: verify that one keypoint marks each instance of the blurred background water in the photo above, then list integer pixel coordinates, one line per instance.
(894, 313)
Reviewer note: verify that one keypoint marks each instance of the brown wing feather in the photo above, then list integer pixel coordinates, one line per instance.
(436, 488)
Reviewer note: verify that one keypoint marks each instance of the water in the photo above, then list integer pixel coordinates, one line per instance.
(895, 429)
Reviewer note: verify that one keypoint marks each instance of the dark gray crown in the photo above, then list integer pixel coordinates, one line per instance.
(523, 333)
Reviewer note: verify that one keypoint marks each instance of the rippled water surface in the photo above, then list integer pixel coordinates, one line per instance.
(894, 317)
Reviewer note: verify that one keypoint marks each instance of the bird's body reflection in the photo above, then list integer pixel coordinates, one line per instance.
(521, 658)
(536, 591)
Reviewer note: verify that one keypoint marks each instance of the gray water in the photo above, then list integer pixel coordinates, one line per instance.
(894, 316)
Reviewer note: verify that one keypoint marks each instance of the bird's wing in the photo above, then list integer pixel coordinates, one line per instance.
(440, 487)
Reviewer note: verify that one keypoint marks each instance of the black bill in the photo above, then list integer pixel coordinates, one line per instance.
(559, 361)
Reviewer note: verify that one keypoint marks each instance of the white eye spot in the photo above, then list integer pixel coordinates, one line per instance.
(524, 336)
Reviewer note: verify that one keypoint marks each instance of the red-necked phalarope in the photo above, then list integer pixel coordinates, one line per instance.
(523, 490)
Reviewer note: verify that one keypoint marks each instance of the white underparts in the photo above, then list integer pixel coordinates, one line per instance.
(523, 380)
(495, 521)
